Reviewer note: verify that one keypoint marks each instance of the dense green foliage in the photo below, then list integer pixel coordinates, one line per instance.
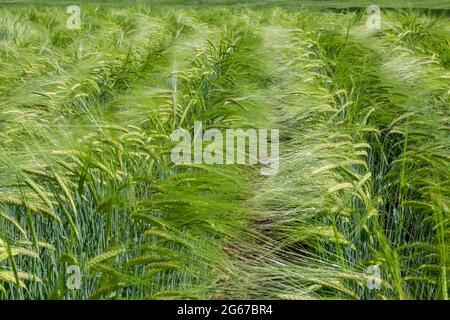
(86, 177)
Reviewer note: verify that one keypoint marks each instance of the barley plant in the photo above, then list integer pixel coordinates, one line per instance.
(87, 180)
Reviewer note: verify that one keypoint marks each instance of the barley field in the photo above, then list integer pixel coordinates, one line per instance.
(92, 207)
